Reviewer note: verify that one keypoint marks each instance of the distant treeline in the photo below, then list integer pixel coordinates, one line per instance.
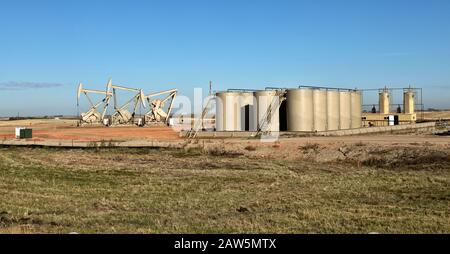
(14, 118)
(435, 110)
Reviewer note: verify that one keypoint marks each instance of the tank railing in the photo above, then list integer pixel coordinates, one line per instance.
(389, 88)
(329, 88)
(316, 87)
(287, 88)
(277, 88)
(243, 90)
(390, 104)
(378, 89)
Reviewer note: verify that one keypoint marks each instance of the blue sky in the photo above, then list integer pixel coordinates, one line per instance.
(47, 47)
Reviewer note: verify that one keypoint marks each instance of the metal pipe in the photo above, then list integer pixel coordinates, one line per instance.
(276, 88)
(243, 90)
(329, 88)
(378, 89)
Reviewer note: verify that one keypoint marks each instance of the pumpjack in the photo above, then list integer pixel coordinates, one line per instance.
(159, 113)
(160, 106)
(94, 115)
(121, 114)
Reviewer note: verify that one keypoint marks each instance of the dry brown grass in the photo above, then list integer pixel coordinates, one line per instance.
(437, 115)
(250, 148)
(310, 146)
(117, 190)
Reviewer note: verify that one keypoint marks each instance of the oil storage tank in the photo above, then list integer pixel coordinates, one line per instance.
(228, 117)
(299, 109)
(333, 112)
(408, 101)
(384, 101)
(320, 110)
(356, 109)
(345, 110)
(267, 110)
(248, 111)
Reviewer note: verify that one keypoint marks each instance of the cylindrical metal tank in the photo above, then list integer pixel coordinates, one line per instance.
(384, 102)
(345, 110)
(228, 116)
(320, 109)
(248, 112)
(268, 116)
(408, 102)
(356, 108)
(219, 119)
(333, 112)
(300, 109)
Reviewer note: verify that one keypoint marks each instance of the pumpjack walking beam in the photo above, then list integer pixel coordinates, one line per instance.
(156, 112)
(93, 115)
(121, 115)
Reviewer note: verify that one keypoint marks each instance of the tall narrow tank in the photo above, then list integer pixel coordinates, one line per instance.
(268, 116)
(408, 101)
(384, 101)
(228, 116)
(300, 109)
(345, 110)
(320, 110)
(219, 112)
(333, 112)
(248, 112)
(356, 107)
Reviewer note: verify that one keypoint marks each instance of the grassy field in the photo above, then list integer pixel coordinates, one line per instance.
(192, 191)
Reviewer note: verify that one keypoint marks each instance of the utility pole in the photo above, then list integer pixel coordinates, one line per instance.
(204, 109)
(210, 88)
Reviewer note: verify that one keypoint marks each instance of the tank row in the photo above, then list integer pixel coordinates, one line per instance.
(302, 109)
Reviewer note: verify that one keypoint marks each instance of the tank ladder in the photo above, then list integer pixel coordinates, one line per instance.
(198, 125)
(273, 107)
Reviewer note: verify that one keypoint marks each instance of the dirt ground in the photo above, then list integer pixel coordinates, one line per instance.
(365, 188)
(353, 184)
(68, 130)
(325, 149)
(439, 115)
(44, 130)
